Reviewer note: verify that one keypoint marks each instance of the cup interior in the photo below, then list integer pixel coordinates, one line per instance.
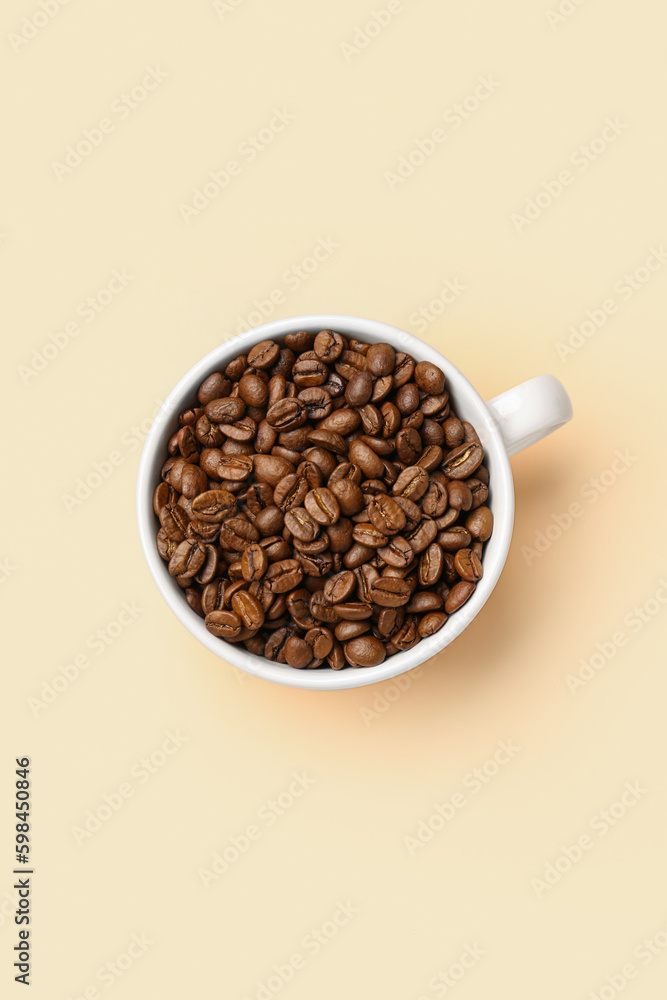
(467, 404)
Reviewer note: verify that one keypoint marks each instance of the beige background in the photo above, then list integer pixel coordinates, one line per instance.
(380, 759)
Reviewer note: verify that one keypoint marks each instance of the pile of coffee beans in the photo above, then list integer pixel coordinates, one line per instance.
(322, 504)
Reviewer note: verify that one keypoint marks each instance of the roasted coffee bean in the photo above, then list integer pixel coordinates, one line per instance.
(380, 359)
(320, 640)
(364, 651)
(468, 565)
(284, 576)
(248, 609)
(349, 496)
(359, 389)
(287, 414)
(431, 565)
(340, 587)
(461, 462)
(412, 483)
(254, 562)
(397, 552)
(434, 501)
(224, 624)
(315, 564)
(458, 595)
(298, 653)
(366, 459)
(459, 495)
(385, 514)
(322, 506)
(454, 538)
(480, 523)
(290, 492)
(368, 534)
(300, 524)
(454, 432)
(317, 402)
(351, 629)
(263, 355)
(271, 469)
(424, 600)
(213, 387)
(236, 533)
(323, 483)
(390, 592)
(431, 622)
(269, 521)
(408, 445)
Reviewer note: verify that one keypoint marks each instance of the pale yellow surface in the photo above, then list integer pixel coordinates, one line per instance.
(376, 768)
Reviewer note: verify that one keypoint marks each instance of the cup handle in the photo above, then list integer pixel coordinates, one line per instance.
(530, 411)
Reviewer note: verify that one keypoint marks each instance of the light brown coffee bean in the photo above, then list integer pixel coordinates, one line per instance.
(254, 562)
(224, 624)
(480, 523)
(364, 651)
(468, 565)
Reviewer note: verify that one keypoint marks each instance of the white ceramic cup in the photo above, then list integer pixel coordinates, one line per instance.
(505, 424)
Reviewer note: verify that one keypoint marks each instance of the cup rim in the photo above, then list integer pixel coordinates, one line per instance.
(501, 501)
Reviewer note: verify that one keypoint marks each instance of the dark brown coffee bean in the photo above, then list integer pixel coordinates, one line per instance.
(322, 610)
(371, 420)
(236, 533)
(340, 587)
(301, 524)
(390, 620)
(175, 521)
(284, 575)
(432, 623)
(454, 538)
(462, 461)
(254, 562)
(357, 555)
(479, 492)
(408, 445)
(359, 389)
(299, 341)
(354, 611)
(287, 414)
(386, 514)
(248, 608)
(422, 535)
(290, 492)
(271, 469)
(236, 368)
(424, 600)
(431, 458)
(318, 545)
(225, 411)
(429, 377)
(253, 390)
(398, 552)
(480, 523)
(412, 483)
(434, 501)
(214, 505)
(224, 624)
(213, 387)
(213, 596)
(333, 442)
(431, 565)
(328, 345)
(458, 595)
(468, 565)
(366, 459)
(315, 564)
(209, 568)
(243, 430)
(454, 433)
(349, 496)
(322, 506)
(321, 458)
(164, 494)
(459, 495)
(298, 653)
(350, 630)
(186, 443)
(269, 521)
(380, 359)
(349, 364)
(263, 355)
(403, 369)
(390, 592)
(364, 651)
(236, 467)
(320, 640)
(368, 534)
(188, 558)
(317, 402)
(307, 372)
